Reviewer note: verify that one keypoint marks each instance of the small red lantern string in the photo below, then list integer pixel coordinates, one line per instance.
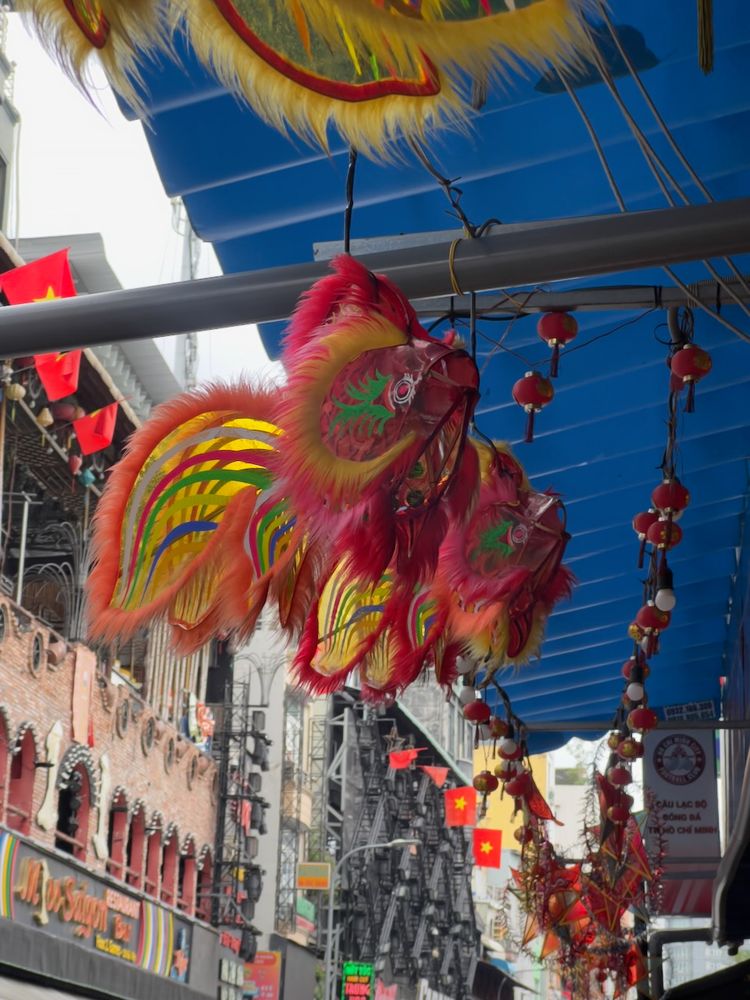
(533, 392)
(556, 329)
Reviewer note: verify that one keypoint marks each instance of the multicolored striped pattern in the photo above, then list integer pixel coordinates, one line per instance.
(350, 616)
(269, 533)
(422, 618)
(8, 854)
(181, 495)
(156, 939)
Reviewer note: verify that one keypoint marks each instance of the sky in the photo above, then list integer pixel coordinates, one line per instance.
(85, 169)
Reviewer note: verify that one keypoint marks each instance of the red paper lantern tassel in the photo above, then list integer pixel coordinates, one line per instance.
(555, 361)
(529, 427)
(690, 401)
(641, 552)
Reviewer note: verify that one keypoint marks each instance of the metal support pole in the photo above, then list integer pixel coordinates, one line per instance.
(567, 248)
(656, 944)
(22, 550)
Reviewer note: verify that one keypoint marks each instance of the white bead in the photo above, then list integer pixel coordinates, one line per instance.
(467, 695)
(635, 691)
(665, 600)
(508, 746)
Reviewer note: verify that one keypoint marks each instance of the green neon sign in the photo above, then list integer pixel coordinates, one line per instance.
(356, 981)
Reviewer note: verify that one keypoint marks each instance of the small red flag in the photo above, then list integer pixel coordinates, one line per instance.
(96, 430)
(461, 806)
(58, 373)
(44, 279)
(488, 847)
(399, 759)
(438, 774)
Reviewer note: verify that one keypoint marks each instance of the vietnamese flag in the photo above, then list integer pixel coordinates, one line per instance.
(461, 806)
(96, 430)
(399, 759)
(487, 847)
(58, 373)
(41, 281)
(438, 774)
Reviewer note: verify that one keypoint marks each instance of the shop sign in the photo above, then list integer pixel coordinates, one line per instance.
(263, 976)
(679, 771)
(356, 981)
(313, 875)
(41, 891)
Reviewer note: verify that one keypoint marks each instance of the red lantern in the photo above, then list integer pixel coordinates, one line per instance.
(498, 728)
(619, 775)
(642, 720)
(477, 711)
(690, 364)
(670, 497)
(641, 524)
(650, 618)
(557, 329)
(485, 782)
(664, 534)
(532, 392)
(519, 785)
(630, 748)
(629, 665)
(618, 814)
(523, 834)
(505, 770)
(613, 741)
(510, 750)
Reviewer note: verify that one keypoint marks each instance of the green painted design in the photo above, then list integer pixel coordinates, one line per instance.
(364, 409)
(493, 540)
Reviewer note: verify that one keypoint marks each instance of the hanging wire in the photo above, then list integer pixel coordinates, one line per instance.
(656, 165)
(351, 172)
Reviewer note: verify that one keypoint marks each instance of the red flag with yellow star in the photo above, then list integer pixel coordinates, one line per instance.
(44, 279)
(58, 373)
(461, 806)
(488, 845)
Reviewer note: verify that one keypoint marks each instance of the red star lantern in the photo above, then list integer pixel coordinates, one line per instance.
(642, 719)
(641, 525)
(485, 782)
(556, 329)
(689, 365)
(664, 534)
(532, 392)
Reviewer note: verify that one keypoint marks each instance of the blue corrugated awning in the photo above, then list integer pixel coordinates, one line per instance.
(264, 200)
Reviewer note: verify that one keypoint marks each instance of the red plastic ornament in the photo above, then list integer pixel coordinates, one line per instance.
(629, 665)
(664, 534)
(477, 711)
(523, 834)
(642, 720)
(510, 750)
(670, 497)
(485, 782)
(557, 329)
(689, 365)
(532, 392)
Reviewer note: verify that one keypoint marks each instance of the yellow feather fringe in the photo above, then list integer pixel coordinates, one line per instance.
(135, 27)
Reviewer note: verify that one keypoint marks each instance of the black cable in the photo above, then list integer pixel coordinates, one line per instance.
(350, 175)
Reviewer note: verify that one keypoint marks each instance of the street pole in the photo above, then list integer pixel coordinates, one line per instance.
(330, 982)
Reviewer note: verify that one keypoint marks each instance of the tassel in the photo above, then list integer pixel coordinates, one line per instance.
(706, 35)
(690, 401)
(529, 427)
(641, 553)
(554, 364)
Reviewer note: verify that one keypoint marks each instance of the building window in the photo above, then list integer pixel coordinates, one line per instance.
(21, 785)
(186, 879)
(136, 848)
(117, 835)
(153, 858)
(205, 888)
(3, 760)
(169, 870)
(73, 806)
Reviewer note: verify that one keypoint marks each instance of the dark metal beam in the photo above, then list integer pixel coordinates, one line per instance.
(604, 725)
(560, 250)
